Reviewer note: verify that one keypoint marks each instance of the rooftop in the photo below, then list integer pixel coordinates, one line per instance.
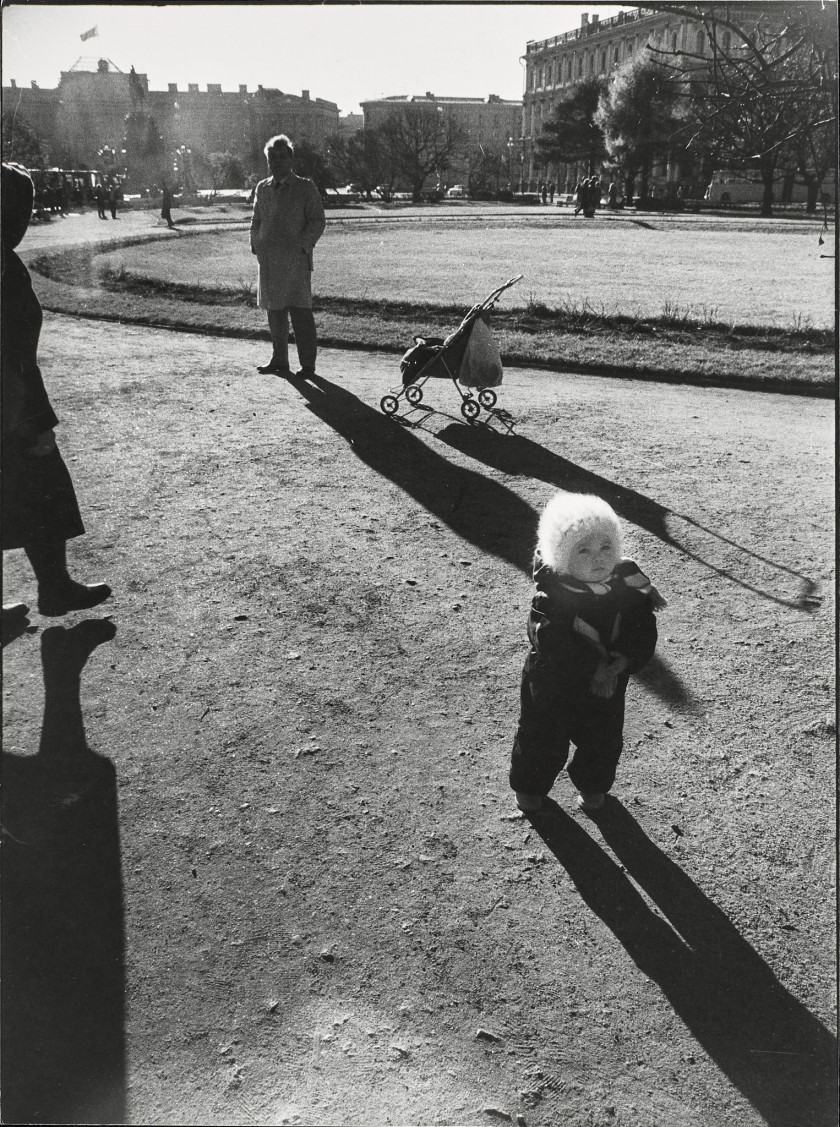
(587, 29)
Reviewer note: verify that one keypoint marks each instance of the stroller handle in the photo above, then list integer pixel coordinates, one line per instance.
(494, 296)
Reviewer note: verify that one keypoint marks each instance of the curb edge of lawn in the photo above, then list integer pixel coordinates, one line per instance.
(774, 385)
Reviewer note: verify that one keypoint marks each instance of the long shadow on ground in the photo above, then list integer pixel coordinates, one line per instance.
(477, 508)
(764, 1040)
(513, 454)
(63, 1039)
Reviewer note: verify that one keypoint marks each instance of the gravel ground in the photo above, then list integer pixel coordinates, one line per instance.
(262, 864)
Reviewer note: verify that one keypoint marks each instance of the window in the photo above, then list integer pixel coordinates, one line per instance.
(674, 42)
(700, 42)
(727, 39)
(603, 61)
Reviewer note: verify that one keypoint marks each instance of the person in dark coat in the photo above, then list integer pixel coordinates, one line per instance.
(99, 196)
(591, 625)
(112, 198)
(166, 205)
(592, 196)
(39, 508)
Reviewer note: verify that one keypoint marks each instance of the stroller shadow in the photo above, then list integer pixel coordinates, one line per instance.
(487, 514)
(766, 1042)
(63, 1039)
(516, 455)
(484, 512)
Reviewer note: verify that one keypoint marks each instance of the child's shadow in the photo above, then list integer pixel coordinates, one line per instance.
(763, 1039)
(62, 928)
(513, 454)
(476, 507)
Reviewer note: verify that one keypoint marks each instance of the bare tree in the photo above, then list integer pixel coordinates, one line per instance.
(422, 141)
(21, 143)
(761, 85)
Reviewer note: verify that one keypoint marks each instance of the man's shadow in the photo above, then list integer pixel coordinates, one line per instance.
(480, 510)
(515, 455)
(63, 1039)
(782, 1059)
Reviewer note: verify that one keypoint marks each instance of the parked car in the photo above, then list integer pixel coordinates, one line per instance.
(457, 192)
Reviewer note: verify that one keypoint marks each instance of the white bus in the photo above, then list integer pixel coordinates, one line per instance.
(729, 187)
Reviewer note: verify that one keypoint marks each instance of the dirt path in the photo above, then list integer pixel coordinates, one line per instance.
(271, 867)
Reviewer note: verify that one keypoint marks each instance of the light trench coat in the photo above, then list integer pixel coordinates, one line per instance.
(288, 221)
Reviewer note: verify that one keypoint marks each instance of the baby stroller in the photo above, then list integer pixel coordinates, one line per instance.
(447, 358)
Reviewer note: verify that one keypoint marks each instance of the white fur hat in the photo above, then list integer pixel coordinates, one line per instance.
(566, 520)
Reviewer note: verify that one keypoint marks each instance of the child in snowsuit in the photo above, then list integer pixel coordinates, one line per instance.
(591, 625)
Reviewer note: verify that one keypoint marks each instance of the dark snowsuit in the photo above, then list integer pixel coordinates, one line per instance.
(571, 628)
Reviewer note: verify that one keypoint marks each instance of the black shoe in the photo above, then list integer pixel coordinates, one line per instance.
(273, 369)
(71, 596)
(14, 612)
(306, 373)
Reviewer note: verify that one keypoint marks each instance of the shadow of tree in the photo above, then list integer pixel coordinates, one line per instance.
(513, 454)
(764, 1040)
(62, 930)
(477, 508)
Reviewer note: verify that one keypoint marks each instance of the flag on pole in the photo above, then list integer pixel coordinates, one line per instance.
(88, 34)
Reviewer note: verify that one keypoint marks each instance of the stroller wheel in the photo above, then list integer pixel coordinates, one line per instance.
(413, 393)
(470, 409)
(389, 404)
(487, 397)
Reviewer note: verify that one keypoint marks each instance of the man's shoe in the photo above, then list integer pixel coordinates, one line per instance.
(306, 373)
(71, 596)
(273, 368)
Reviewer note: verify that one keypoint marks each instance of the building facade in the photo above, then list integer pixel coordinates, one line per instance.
(594, 49)
(88, 110)
(490, 124)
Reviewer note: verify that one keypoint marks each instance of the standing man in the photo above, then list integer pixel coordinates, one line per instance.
(288, 221)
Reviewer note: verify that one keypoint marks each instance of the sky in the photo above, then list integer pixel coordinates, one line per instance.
(344, 52)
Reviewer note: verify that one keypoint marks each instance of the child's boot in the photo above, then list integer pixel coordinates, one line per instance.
(591, 800)
(528, 803)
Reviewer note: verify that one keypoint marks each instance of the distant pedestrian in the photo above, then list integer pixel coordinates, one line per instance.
(544, 193)
(99, 195)
(112, 198)
(612, 195)
(166, 205)
(288, 221)
(580, 196)
(552, 188)
(591, 625)
(592, 196)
